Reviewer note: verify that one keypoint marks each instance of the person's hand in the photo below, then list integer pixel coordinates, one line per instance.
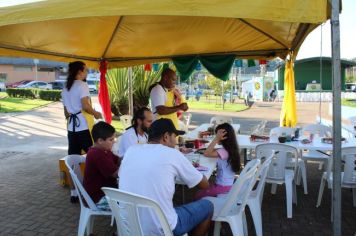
(183, 106)
(98, 115)
(185, 150)
(221, 134)
(177, 93)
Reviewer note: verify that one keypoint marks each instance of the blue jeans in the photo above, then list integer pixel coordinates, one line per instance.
(192, 214)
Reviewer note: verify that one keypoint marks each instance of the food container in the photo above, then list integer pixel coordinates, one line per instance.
(282, 139)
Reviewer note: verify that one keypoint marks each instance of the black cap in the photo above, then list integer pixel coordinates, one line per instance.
(161, 126)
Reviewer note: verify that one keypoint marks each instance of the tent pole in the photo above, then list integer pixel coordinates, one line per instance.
(321, 70)
(336, 75)
(130, 92)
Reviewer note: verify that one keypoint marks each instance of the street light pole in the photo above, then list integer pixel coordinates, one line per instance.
(36, 61)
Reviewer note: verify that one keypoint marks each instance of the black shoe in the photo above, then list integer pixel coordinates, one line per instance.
(74, 199)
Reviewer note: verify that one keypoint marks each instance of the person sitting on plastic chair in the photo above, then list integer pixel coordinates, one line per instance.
(101, 165)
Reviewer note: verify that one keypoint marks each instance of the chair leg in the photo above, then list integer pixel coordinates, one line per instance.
(354, 196)
(321, 165)
(236, 225)
(217, 228)
(255, 209)
(289, 195)
(83, 221)
(244, 221)
(274, 189)
(321, 191)
(90, 225)
(298, 177)
(294, 197)
(303, 172)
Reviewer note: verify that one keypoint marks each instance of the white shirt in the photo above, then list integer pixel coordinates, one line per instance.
(158, 98)
(72, 101)
(225, 175)
(150, 170)
(129, 138)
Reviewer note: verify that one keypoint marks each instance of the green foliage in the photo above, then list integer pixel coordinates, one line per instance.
(20, 93)
(348, 102)
(350, 79)
(143, 80)
(118, 87)
(216, 85)
(49, 95)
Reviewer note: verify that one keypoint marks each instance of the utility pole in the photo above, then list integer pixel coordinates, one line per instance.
(36, 61)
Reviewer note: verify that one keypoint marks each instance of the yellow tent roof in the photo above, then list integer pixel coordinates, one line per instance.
(129, 32)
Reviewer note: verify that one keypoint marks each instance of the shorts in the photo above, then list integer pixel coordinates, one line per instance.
(78, 141)
(103, 204)
(192, 214)
(212, 191)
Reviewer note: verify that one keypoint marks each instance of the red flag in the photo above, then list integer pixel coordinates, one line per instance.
(263, 62)
(103, 93)
(148, 67)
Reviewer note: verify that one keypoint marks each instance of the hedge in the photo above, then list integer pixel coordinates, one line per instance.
(49, 95)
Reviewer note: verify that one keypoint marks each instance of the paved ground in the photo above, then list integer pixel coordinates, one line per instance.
(33, 203)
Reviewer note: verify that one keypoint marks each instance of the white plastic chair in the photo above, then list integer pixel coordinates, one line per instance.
(301, 171)
(255, 198)
(352, 120)
(89, 210)
(348, 176)
(317, 130)
(216, 120)
(231, 208)
(279, 171)
(126, 120)
(125, 207)
(187, 117)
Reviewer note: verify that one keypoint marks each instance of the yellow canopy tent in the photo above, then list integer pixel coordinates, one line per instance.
(131, 32)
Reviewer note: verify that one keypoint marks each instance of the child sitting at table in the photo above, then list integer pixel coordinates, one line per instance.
(228, 160)
(101, 165)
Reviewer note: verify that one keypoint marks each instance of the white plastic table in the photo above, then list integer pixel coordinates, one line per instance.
(245, 142)
(350, 129)
(204, 127)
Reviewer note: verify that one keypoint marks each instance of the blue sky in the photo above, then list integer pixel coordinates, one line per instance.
(311, 45)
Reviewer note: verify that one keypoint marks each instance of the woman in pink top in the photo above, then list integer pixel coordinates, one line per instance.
(228, 163)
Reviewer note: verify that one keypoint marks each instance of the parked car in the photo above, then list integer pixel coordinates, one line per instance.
(36, 84)
(14, 85)
(93, 85)
(58, 85)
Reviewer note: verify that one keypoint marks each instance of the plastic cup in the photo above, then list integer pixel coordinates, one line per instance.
(196, 160)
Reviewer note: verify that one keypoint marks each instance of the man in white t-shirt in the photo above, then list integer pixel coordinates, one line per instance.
(137, 133)
(151, 170)
(162, 103)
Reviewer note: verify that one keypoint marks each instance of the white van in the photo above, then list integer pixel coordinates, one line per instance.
(93, 85)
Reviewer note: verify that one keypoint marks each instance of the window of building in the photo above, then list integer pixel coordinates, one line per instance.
(3, 77)
(23, 68)
(46, 69)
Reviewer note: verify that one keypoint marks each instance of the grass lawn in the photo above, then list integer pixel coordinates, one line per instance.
(118, 126)
(213, 105)
(8, 104)
(349, 102)
(3, 94)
